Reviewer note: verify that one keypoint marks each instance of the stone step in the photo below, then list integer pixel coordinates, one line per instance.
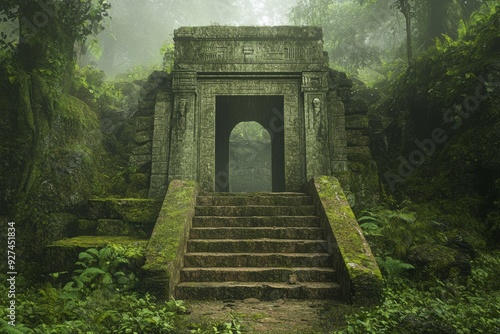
(299, 210)
(116, 227)
(310, 233)
(262, 260)
(253, 194)
(61, 255)
(258, 274)
(256, 246)
(259, 290)
(253, 200)
(256, 221)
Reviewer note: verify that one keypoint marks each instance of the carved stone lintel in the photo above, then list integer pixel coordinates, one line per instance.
(314, 82)
(184, 81)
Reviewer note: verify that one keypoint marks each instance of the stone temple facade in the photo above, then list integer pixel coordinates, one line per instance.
(275, 76)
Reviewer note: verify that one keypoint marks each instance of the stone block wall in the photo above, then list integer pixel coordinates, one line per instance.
(360, 182)
(143, 146)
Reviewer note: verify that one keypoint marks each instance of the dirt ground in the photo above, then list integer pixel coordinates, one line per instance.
(274, 317)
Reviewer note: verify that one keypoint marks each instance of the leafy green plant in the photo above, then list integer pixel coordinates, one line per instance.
(104, 268)
(229, 327)
(139, 72)
(436, 306)
(168, 51)
(90, 85)
(5, 328)
(395, 229)
(392, 267)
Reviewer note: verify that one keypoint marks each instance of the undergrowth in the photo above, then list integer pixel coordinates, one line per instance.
(436, 306)
(100, 299)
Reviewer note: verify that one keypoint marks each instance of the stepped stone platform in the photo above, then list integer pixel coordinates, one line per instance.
(125, 221)
(256, 245)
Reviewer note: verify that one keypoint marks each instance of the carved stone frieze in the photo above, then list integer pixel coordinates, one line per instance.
(246, 49)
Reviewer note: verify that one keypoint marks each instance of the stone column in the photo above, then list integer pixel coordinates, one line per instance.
(160, 145)
(338, 138)
(183, 138)
(315, 87)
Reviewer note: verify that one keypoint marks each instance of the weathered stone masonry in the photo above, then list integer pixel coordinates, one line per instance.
(181, 137)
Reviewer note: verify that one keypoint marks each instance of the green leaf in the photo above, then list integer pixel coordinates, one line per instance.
(107, 279)
(93, 251)
(462, 29)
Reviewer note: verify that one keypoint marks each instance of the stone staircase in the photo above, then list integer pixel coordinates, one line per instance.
(256, 245)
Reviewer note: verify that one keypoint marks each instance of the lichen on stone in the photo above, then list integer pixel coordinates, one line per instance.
(359, 263)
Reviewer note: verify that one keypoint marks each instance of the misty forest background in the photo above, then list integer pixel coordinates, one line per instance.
(428, 71)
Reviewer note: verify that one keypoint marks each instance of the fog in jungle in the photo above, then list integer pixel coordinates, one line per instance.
(138, 29)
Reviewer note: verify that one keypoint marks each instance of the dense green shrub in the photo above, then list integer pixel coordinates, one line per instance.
(437, 306)
(98, 301)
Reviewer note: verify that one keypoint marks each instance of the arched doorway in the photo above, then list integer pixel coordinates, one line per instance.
(250, 163)
(267, 111)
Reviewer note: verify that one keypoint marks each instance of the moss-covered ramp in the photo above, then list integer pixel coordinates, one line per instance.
(358, 272)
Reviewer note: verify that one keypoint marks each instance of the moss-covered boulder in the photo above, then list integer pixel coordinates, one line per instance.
(438, 261)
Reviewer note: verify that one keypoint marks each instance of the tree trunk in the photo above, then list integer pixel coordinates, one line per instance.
(405, 8)
(45, 54)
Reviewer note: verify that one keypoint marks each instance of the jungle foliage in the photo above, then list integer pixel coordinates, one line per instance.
(65, 136)
(440, 193)
(436, 306)
(98, 300)
(369, 38)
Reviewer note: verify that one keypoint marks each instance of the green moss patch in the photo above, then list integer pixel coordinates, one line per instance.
(358, 263)
(165, 251)
(61, 255)
(131, 210)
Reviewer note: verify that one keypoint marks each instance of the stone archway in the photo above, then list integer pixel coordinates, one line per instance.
(250, 158)
(264, 110)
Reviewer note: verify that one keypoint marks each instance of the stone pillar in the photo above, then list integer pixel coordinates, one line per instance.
(160, 147)
(315, 88)
(183, 162)
(338, 138)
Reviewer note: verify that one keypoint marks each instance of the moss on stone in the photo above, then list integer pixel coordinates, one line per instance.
(138, 185)
(61, 255)
(98, 241)
(165, 251)
(356, 122)
(130, 210)
(360, 264)
(112, 227)
(438, 261)
(136, 210)
(58, 226)
(87, 227)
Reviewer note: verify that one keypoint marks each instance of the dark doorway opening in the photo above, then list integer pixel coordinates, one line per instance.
(265, 110)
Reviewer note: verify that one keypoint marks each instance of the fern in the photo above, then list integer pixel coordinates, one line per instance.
(95, 49)
(395, 228)
(393, 267)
